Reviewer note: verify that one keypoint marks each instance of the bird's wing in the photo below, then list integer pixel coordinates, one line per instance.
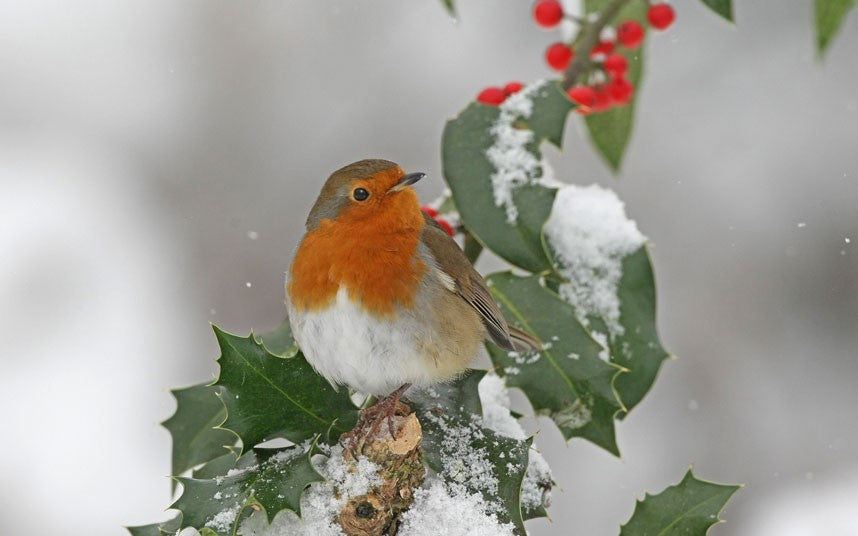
(459, 276)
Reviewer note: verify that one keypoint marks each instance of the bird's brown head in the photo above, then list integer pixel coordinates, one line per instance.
(366, 191)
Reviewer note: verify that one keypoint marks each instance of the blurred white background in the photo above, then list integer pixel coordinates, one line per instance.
(156, 157)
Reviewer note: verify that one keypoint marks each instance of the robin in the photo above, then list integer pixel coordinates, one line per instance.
(380, 297)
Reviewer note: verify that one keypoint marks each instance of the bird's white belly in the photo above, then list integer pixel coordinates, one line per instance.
(347, 345)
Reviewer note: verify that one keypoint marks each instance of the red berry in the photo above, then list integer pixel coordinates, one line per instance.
(630, 34)
(660, 16)
(558, 56)
(604, 47)
(621, 90)
(447, 227)
(603, 100)
(616, 65)
(512, 87)
(491, 96)
(548, 13)
(584, 96)
(429, 211)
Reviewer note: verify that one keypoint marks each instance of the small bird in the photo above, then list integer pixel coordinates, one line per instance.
(380, 297)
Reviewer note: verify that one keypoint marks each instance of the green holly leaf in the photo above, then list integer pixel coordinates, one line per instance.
(217, 467)
(268, 479)
(196, 438)
(721, 7)
(567, 381)
(280, 341)
(688, 509)
(268, 396)
(167, 528)
(450, 7)
(638, 348)
(611, 130)
(468, 170)
(828, 16)
(464, 452)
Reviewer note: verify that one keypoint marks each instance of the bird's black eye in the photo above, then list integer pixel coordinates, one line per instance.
(360, 194)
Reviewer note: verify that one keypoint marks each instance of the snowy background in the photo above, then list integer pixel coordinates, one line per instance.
(157, 160)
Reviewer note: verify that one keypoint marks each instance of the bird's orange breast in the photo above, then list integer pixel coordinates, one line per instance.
(375, 258)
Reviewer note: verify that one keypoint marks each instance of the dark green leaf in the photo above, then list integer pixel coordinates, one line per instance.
(721, 7)
(462, 450)
(192, 426)
(169, 527)
(610, 131)
(279, 342)
(217, 467)
(450, 7)
(828, 16)
(270, 479)
(638, 348)
(567, 381)
(688, 509)
(468, 172)
(268, 397)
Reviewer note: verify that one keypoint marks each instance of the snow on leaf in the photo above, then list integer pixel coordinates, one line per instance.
(469, 456)
(268, 396)
(268, 479)
(607, 278)
(494, 167)
(577, 394)
(688, 508)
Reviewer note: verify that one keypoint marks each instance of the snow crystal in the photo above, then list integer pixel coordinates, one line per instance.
(443, 510)
(253, 235)
(514, 165)
(590, 234)
(222, 521)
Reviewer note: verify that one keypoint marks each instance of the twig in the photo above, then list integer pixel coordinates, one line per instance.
(588, 38)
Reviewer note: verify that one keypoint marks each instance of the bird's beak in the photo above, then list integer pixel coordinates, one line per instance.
(405, 181)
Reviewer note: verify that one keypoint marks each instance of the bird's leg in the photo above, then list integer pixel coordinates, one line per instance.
(372, 417)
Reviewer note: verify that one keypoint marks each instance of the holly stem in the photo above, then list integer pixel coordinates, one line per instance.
(587, 39)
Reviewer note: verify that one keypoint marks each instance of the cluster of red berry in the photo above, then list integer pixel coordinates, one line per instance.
(495, 95)
(607, 85)
(432, 213)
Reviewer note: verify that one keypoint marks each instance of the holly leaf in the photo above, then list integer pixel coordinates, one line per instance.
(280, 341)
(688, 508)
(567, 381)
(193, 427)
(450, 7)
(828, 16)
(721, 7)
(217, 467)
(268, 396)
(167, 528)
(638, 348)
(466, 453)
(468, 171)
(611, 130)
(268, 479)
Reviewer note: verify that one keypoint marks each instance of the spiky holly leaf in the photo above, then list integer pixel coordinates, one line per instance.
(567, 381)
(468, 170)
(688, 509)
(167, 528)
(268, 397)
(268, 479)
(280, 341)
(217, 467)
(464, 452)
(721, 7)
(610, 131)
(638, 348)
(828, 16)
(196, 439)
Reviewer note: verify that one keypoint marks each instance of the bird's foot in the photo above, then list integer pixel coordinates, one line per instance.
(371, 419)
